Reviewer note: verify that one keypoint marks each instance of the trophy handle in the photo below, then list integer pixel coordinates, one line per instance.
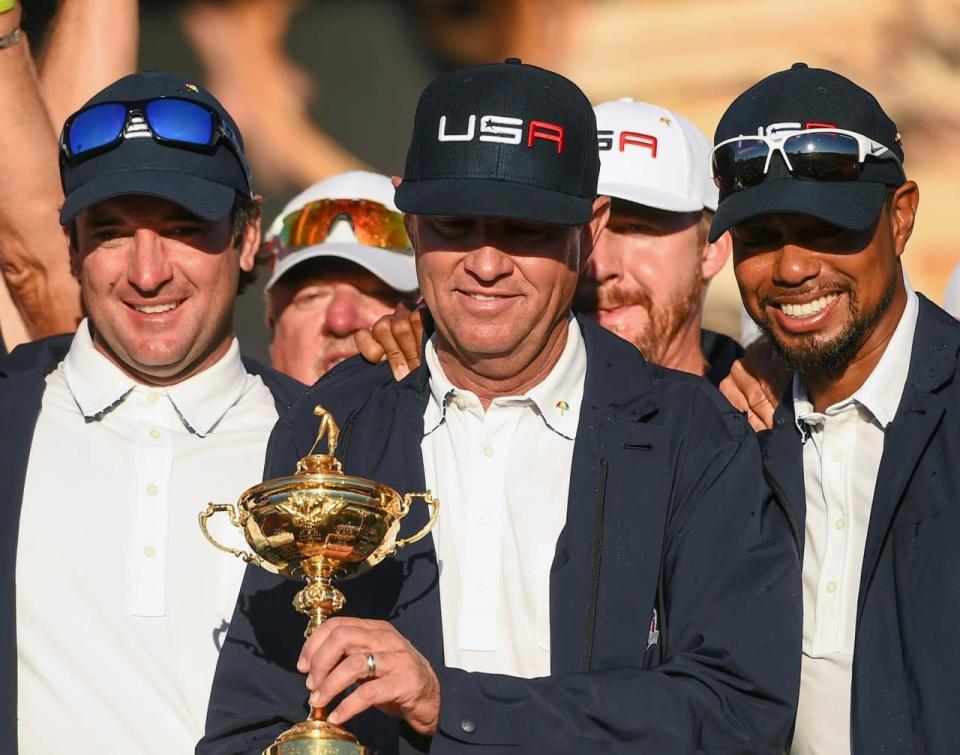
(433, 505)
(214, 508)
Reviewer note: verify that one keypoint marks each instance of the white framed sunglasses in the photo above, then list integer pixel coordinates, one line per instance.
(821, 154)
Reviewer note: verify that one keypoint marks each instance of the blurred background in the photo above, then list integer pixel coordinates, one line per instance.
(321, 86)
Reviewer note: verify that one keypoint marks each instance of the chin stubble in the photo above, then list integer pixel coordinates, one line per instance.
(816, 356)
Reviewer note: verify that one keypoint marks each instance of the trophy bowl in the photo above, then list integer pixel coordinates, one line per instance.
(318, 525)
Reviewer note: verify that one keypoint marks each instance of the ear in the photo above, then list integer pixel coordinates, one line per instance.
(591, 231)
(715, 256)
(250, 244)
(396, 181)
(903, 214)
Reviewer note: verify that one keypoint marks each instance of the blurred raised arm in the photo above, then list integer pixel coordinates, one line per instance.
(33, 250)
(90, 44)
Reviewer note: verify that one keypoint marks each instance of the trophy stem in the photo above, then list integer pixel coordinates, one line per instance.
(317, 736)
(319, 599)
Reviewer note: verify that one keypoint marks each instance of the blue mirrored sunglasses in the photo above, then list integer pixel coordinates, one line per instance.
(168, 120)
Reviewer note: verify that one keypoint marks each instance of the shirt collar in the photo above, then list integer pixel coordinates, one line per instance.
(557, 397)
(881, 392)
(98, 385)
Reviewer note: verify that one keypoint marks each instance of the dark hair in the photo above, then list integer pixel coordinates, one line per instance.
(242, 213)
(245, 210)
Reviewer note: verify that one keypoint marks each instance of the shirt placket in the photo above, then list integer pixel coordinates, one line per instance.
(153, 460)
(484, 497)
(833, 476)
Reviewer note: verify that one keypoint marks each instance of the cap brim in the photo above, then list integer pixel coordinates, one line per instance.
(854, 205)
(649, 197)
(491, 198)
(393, 268)
(206, 199)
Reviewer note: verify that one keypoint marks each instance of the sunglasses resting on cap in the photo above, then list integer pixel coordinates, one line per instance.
(820, 154)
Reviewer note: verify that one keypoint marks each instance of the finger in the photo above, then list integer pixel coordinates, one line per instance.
(732, 393)
(382, 691)
(346, 641)
(383, 333)
(321, 633)
(353, 669)
(368, 346)
(408, 339)
(764, 413)
(757, 423)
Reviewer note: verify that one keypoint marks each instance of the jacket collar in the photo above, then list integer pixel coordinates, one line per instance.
(613, 414)
(933, 364)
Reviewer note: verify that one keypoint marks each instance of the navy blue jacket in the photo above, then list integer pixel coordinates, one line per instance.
(906, 666)
(22, 382)
(666, 497)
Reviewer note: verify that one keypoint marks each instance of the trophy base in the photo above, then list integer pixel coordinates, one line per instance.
(313, 737)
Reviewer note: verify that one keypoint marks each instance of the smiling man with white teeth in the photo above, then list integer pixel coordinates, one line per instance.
(605, 557)
(116, 437)
(865, 444)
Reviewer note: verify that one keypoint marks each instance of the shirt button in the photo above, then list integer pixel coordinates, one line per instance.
(839, 524)
(152, 489)
(153, 397)
(461, 402)
(481, 585)
(149, 551)
(488, 451)
(831, 587)
(482, 518)
(155, 433)
(468, 726)
(837, 456)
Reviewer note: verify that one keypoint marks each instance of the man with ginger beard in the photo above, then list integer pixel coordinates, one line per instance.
(647, 277)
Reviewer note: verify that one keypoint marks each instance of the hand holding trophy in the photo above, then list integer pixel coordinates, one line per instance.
(319, 525)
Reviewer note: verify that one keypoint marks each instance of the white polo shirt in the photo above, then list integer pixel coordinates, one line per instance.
(121, 603)
(841, 455)
(502, 477)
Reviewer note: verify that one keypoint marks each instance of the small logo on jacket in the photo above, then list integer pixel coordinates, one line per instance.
(653, 636)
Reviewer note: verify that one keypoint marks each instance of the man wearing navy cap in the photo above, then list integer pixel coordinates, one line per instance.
(112, 605)
(610, 575)
(863, 448)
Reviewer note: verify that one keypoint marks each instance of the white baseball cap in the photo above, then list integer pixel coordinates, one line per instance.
(653, 157)
(394, 266)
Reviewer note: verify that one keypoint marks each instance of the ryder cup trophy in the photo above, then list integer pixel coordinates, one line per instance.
(319, 525)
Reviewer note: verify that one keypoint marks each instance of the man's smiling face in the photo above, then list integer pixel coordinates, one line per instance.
(816, 290)
(159, 284)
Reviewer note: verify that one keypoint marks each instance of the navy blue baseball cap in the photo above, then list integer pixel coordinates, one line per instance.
(803, 97)
(205, 182)
(506, 140)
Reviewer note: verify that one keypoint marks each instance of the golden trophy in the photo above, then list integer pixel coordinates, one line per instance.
(319, 525)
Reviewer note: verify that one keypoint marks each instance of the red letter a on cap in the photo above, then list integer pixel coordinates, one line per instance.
(549, 131)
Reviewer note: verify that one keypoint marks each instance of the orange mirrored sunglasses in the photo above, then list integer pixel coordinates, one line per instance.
(373, 224)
